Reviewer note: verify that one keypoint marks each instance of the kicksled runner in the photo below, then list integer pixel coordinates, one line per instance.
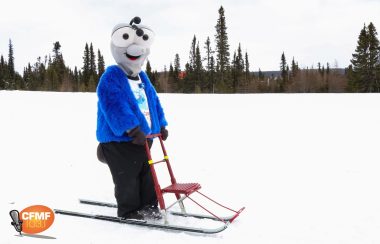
(182, 191)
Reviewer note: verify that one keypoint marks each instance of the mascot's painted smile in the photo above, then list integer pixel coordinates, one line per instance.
(132, 57)
(130, 45)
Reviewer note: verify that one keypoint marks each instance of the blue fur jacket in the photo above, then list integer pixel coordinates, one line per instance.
(118, 110)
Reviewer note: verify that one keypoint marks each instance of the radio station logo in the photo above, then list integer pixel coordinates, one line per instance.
(33, 219)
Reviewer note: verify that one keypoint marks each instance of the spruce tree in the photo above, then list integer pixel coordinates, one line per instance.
(2, 73)
(261, 75)
(192, 56)
(101, 64)
(237, 70)
(359, 79)
(149, 73)
(11, 60)
(212, 73)
(76, 79)
(198, 70)
(222, 47)
(190, 79)
(239, 62)
(209, 53)
(246, 66)
(327, 68)
(92, 61)
(208, 86)
(148, 70)
(86, 69)
(152, 75)
(294, 69)
(234, 73)
(365, 61)
(177, 84)
(93, 81)
(177, 65)
(56, 68)
(374, 58)
(284, 73)
(171, 78)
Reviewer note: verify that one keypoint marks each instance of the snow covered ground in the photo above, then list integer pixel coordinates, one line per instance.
(306, 167)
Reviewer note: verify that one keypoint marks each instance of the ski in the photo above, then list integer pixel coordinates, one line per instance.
(142, 222)
(198, 216)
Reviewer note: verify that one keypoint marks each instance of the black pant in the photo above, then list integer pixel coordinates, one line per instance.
(134, 187)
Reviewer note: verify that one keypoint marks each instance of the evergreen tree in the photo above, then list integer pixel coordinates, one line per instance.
(11, 60)
(176, 85)
(284, 73)
(2, 72)
(364, 76)
(192, 56)
(101, 64)
(93, 81)
(319, 68)
(177, 65)
(56, 70)
(234, 74)
(86, 69)
(212, 74)
(359, 63)
(153, 76)
(261, 75)
(148, 70)
(327, 68)
(92, 61)
(171, 78)
(222, 47)
(246, 66)
(76, 79)
(237, 69)
(374, 58)
(198, 70)
(209, 53)
(28, 76)
(208, 86)
(294, 69)
(190, 79)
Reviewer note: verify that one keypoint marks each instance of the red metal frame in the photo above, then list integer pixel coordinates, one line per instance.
(178, 188)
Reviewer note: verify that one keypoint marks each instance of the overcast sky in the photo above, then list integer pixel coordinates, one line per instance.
(310, 30)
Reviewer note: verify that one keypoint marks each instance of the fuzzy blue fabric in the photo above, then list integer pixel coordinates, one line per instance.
(118, 110)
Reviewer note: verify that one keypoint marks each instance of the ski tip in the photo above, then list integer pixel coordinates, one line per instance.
(236, 215)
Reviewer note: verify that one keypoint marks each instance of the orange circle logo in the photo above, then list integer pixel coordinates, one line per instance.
(36, 219)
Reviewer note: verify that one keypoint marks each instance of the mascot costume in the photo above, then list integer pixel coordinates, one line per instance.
(128, 110)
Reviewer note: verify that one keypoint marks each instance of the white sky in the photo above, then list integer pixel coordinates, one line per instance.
(310, 30)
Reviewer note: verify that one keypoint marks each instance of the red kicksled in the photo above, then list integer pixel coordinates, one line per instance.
(182, 191)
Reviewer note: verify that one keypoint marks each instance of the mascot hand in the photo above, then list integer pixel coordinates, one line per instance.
(164, 133)
(138, 137)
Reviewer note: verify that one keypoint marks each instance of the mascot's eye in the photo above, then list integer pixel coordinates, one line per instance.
(145, 37)
(123, 37)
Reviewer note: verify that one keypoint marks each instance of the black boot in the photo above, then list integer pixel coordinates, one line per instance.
(151, 212)
(134, 215)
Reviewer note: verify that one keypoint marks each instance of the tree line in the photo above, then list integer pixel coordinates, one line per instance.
(51, 73)
(216, 71)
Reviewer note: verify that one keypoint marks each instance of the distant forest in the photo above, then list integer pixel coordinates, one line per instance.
(217, 70)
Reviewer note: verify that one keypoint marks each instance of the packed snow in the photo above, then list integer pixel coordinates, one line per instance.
(305, 166)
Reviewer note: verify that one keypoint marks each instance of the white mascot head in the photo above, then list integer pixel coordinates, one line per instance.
(130, 45)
